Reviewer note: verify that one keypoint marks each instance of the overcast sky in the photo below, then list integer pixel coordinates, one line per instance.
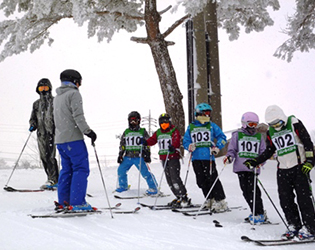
(119, 77)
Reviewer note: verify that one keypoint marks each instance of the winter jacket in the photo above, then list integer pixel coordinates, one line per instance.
(146, 154)
(176, 137)
(233, 150)
(68, 115)
(203, 153)
(42, 117)
(298, 139)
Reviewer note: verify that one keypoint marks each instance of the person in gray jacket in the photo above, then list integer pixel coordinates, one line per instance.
(70, 127)
(42, 120)
(245, 144)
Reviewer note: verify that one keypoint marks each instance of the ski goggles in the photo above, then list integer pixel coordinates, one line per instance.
(164, 125)
(276, 124)
(204, 113)
(252, 124)
(133, 120)
(43, 88)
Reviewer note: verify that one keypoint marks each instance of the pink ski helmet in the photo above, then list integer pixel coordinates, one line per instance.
(249, 117)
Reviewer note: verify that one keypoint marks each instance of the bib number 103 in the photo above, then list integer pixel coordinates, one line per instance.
(201, 136)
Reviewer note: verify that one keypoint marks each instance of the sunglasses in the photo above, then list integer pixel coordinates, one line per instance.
(43, 88)
(252, 124)
(276, 124)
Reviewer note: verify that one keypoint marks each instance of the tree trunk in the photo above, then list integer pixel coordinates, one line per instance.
(164, 67)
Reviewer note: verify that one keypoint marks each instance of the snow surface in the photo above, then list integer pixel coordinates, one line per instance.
(147, 229)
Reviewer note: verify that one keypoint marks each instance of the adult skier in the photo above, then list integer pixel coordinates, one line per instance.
(42, 120)
(168, 138)
(70, 128)
(288, 137)
(247, 143)
(199, 140)
(131, 152)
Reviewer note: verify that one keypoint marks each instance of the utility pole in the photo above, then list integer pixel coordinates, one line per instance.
(203, 62)
(151, 122)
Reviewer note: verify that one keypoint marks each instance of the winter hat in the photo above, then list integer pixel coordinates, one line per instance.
(44, 82)
(274, 113)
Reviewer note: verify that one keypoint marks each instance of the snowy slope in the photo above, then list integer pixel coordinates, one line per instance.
(146, 230)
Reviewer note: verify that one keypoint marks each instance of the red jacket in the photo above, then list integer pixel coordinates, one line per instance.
(176, 137)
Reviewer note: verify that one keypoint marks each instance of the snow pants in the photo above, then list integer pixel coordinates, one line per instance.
(293, 180)
(127, 164)
(47, 153)
(172, 175)
(205, 179)
(75, 170)
(246, 181)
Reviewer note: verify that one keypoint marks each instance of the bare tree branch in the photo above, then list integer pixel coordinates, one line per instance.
(175, 25)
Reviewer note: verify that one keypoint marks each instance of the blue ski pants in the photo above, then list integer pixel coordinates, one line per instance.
(75, 170)
(127, 164)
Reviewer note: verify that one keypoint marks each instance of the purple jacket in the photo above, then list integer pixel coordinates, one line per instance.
(233, 150)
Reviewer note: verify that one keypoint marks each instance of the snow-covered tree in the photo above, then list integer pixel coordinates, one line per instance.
(300, 29)
(28, 22)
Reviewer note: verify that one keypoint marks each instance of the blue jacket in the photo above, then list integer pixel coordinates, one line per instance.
(203, 153)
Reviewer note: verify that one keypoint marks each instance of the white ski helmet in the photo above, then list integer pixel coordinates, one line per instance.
(274, 114)
(249, 117)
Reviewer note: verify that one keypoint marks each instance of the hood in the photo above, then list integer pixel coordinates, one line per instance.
(273, 113)
(44, 82)
(64, 88)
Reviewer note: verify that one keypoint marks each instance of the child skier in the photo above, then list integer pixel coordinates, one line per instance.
(168, 137)
(288, 137)
(198, 140)
(131, 152)
(247, 143)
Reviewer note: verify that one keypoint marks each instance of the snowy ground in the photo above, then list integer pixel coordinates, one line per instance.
(146, 230)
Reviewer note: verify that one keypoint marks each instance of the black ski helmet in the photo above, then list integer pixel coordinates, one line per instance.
(44, 82)
(165, 118)
(134, 114)
(71, 75)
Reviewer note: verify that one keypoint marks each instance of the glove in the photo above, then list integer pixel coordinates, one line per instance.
(119, 159)
(92, 135)
(143, 142)
(227, 160)
(192, 147)
(32, 128)
(251, 163)
(307, 167)
(171, 148)
(146, 154)
(215, 150)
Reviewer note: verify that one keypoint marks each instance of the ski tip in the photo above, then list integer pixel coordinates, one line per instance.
(137, 209)
(245, 238)
(9, 189)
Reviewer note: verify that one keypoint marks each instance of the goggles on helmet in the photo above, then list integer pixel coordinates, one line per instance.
(165, 125)
(133, 120)
(276, 124)
(206, 112)
(43, 88)
(251, 124)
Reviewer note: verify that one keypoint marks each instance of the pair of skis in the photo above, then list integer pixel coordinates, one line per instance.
(278, 242)
(67, 214)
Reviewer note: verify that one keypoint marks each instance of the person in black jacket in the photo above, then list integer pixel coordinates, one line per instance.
(42, 120)
(131, 152)
(289, 139)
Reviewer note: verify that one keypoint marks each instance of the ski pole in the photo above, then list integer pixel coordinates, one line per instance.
(139, 173)
(203, 204)
(254, 198)
(161, 179)
(188, 169)
(99, 167)
(286, 225)
(311, 191)
(6, 186)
